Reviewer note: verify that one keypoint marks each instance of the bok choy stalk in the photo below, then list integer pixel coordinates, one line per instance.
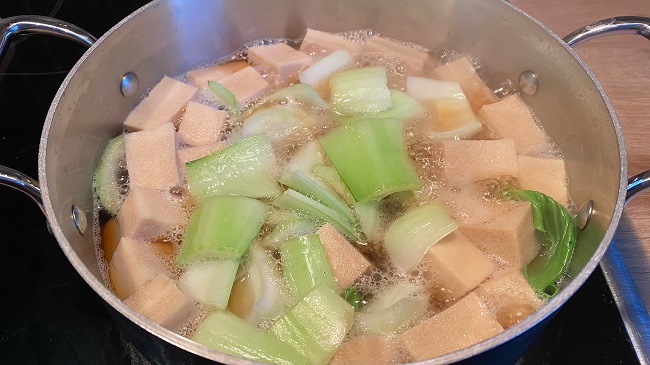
(557, 227)
(404, 107)
(305, 265)
(360, 91)
(225, 96)
(266, 286)
(325, 67)
(277, 122)
(209, 282)
(300, 93)
(107, 186)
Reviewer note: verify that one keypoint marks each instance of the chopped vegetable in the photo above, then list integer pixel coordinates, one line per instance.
(224, 95)
(325, 67)
(301, 93)
(107, 184)
(360, 91)
(305, 265)
(277, 122)
(289, 229)
(369, 218)
(266, 285)
(209, 282)
(352, 296)
(404, 107)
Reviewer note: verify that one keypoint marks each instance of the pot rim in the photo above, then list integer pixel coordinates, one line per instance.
(538, 316)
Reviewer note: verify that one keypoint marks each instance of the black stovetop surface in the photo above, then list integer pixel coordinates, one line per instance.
(49, 315)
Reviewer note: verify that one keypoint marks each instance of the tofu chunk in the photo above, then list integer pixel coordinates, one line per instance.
(462, 71)
(509, 236)
(161, 301)
(163, 104)
(199, 77)
(346, 262)
(201, 124)
(546, 175)
(133, 265)
(363, 350)
(246, 85)
(411, 59)
(284, 62)
(511, 118)
(149, 213)
(463, 324)
(188, 154)
(468, 205)
(319, 44)
(151, 157)
(456, 265)
(471, 160)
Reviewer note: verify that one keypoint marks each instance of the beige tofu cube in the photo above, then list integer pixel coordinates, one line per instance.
(465, 323)
(468, 205)
(134, 264)
(149, 213)
(163, 104)
(201, 124)
(411, 59)
(346, 262)
(246, 85)
(462, 71)
(546, 175)
(161, 301)
(456, 266)
(472, 160)
(363, 350)
(151, 157)
(509, 295)
(509, 236)
(320, 44)
(511, 118)
(284, 62)
(199, 77)
(188, 154)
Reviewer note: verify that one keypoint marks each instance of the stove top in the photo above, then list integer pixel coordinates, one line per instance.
(49, 315)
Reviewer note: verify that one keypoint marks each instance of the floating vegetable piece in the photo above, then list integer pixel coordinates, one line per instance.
(360, 91)
(404, 108)
(107, 183)
(352, 296)
(325, 67)
(301, 93)
(305, 265)
(276, 122)
(224, 95)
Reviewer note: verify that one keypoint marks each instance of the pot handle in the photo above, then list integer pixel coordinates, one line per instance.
(34, 24)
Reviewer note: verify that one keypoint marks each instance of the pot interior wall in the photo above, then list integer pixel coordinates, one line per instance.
(170, 37)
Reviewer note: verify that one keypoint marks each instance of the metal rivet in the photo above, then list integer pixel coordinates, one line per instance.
(79, 219)
(528, 82)
(129, 84)
(584, 214)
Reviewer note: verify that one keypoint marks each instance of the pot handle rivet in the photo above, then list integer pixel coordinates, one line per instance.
(129, 84)
(79, 219)
(528, 82)
(584, 214)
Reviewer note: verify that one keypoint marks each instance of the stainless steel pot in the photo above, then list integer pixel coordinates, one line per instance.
(170, 37)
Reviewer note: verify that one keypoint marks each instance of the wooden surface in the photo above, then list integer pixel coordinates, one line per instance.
(622, 65)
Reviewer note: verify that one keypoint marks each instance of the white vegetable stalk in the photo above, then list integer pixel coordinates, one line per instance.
(323, 69)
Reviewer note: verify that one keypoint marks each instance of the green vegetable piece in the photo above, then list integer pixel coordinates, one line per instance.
(222, 227)
(369, 218)
(277, 122)
(404, 108)
(317, 325)
(352, 296)
(225, 96)
(558, 230)
(225, 332)
(329, 176)
(371, 158)
(246, 168)
(301, 93)
(107, 185)
(288, 230)
(305, 265)
(360, 91)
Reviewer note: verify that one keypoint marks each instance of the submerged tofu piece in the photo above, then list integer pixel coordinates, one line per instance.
(151, 157)
(284, 62)
(163, 104)
(201, 124)
(246, 85)
(509, 236)
(363, 350)
(511, 118)
(188, 154)
(546, 175)
(465, 323)
(456, 266)
(411, 59)
(346, 262)
(474, 88)
(467, 205)
(161, 301)
(133, 265)
(320, 44)
(149, 213)
(472, 160)
(200, 76)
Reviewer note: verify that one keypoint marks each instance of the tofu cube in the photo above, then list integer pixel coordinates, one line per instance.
(462, 71)
(133, 265)
(161, 301)
(188, 154)
(472, 160)
(151, 157)
(468, 205)
(319, 44)
(284, 62)
(149, 213)
(511, 118)
(163, 104)
(199, 77)
(509, 236)
(411, 59)
(456, 265)
(201, 124)
(246, 85)
(546, 175)
(363, 350)
(346, 262)
(465, 323)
